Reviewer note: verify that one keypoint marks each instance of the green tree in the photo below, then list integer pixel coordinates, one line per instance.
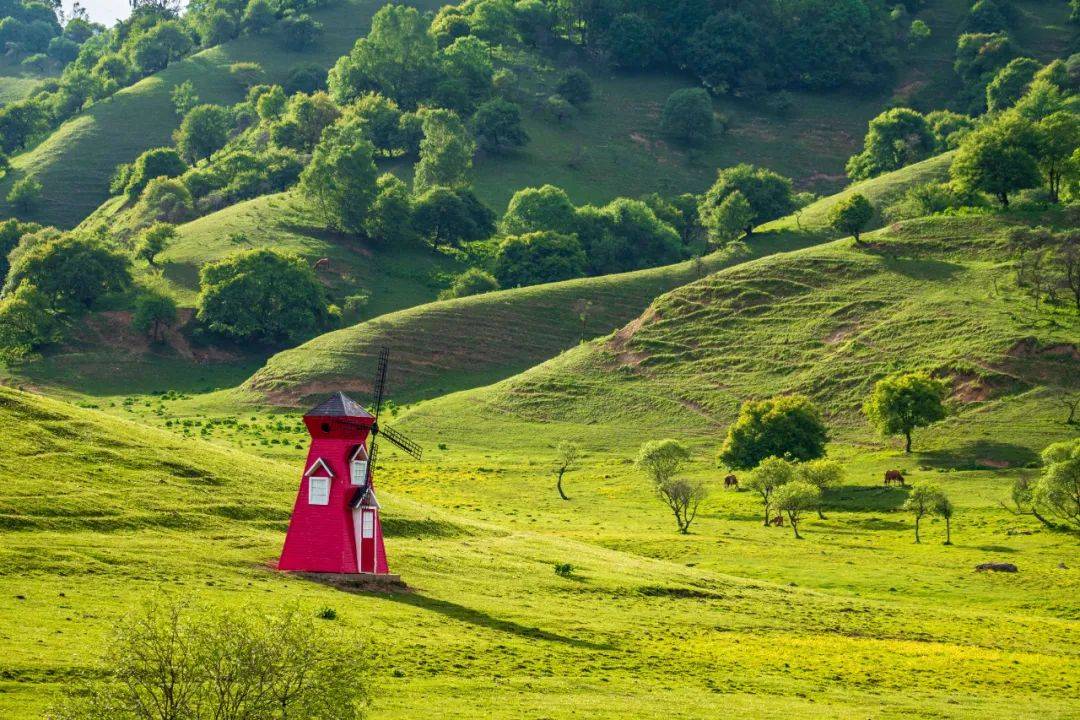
(944, 508)
(662, 461)
(153, 313)
(567, 456)
(261, 296)
(900, 403)
(27, 322)
(154, 240)
(184, 98)
(630, 42)
(446, 152)
(538, 209)
(446, 216)
(497, 126)
(538, 257)
(160, 45)
(851, 214)
(247, 74)
(473, 281)
(155, 162)
(1057, 491)
(305, 119)
(390, 221)
(895, 138)
(341, 179)
(25, 195)
(785, 426)
(1058, 140)
(625, 235)
(949, 128)
(203, 131)
(688, 116)
(576, 86)
(299, 32)
(1010, 82)
(769, 194)
(998, 159)
(11, 232)
(728, 220)
(794, 499)
(771, 474)
(823, 474)
(258, 17)
(921, 501)
(71, 271)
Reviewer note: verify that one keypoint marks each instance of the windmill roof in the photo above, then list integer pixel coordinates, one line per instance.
(339, 405)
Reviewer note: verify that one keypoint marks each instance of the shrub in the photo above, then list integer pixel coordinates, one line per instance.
(184, 98)
(688, 116)
(25, 195)
(299, 32)
(559, 109)
(851, 215)
(497, 126)
(154, 240)
(26, 322)
(156, 162)
(538, 257)
(768, 193)
(473, 281)
(576, 86)
(305, 78)
(247, 74)
(204, 130)
(166, 199)
(564, 569)
(153, 313)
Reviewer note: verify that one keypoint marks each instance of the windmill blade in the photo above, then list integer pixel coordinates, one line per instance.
(401, 441)
(380, 382)
(371, 460)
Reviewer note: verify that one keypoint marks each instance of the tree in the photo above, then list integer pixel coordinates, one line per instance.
(27, 322)
(446, 152)
(921, 501)
(305, 78)
(786, 426)
(342, 181)
(895, 138)
(299, 32)
(271, 104)
(999, 159)
(538, 257)
(626, 235)
(153, 163)
(576, 86)
(1009, 84)
(822, 474)
(261, 296)
(305, 119)
(661, 461)
(1057, 491)
(729, 220)
(768, 193)
(538, 209)
(497, 126)
(160, 45)
(154, 240)
(390, 220)
(25, 195)
(770, 474)
(204, 130)
(473, 281)
(247, 74)
(153, 313)
(567, 455)
(1058, 140)
(900, 403)
(167, 662)
(446, 216)
(949, 128)
(183, 98)
(851, 214)
(630, 42)
(11, 232)
(795, 498)
(258, 17)
(71, 271)
(944, 508)
(688, 116)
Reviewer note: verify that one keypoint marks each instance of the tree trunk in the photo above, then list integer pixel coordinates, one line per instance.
(948, 531)
(794, 526)
(917, 541)
(766, 514)
(907, 443)
(1004, 198)
(821, 515)
(559, 486)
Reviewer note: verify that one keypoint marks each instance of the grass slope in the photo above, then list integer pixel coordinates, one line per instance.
(457, 344)
(75, 162)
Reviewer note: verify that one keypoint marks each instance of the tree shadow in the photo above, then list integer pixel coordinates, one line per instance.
(980, 455)
(996, 548)
(922, 268)
(479, 618)
(864, 498)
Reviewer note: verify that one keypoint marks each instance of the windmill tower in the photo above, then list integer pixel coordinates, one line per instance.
(335, 526)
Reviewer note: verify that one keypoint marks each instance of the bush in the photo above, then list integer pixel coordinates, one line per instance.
(446, 216)
(25, 195)
(299, 32)
(559, 109)
(261, 296)
(247, 74)
(305, 78)
(497, 126)
(203, 131)
(184, 98)
(26, 322)
(154, 240)
(166, 199)
(473, 281)
(768, 194)
(156, 162)
(688, 116)
(576, 86)
(851, 215)
(564, 569)
(538, 257)
(153, 313)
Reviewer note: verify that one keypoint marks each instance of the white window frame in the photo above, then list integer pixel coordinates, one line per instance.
(318, 490)
(367, 524)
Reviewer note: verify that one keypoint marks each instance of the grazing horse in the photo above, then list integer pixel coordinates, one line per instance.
(893, 476)
(777, 521)
(731, 481)
(321, 264)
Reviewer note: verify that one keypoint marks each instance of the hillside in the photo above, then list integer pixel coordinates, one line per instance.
(457, 344)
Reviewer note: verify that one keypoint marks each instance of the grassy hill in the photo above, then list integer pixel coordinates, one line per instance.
(452, 345)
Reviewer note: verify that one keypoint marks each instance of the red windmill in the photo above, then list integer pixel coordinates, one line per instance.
(335, 525)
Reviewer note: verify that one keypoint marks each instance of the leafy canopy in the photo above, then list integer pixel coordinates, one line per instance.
(900, 403)
(786, 426)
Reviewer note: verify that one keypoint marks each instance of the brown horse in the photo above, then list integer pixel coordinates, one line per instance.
(894, 476)
(321, 264)
(731, 481)
(777, 521)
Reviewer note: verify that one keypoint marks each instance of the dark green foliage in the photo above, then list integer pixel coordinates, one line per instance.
(851, 215)
(166, 199)
(576, 86)
(536, 209)
(71, 271)
(497, 126)
(261, 296)
(25, 195)
(153, 314)
(630, 43)
(259, 16)
(688, 116)
(21, 122)
(157, 47)
(979, 57)
(156, 162)
(26, 322)
(999, 158)
(390, 220)
(626, 235)
(768, 193)
(446, 152)
(305, 78)
(204, 130)
(987, 16)
(302, 124)
(447, 216)
(466, 74)
(895, 138)
(341, 180)
(787, 426)
(299, 32)
(11, 232)
(473, 281)
(538, 257)
(901, 403)
(1009, 84)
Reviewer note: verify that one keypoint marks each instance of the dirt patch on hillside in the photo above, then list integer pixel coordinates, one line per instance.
(840, 334)
(620, 341)
(970, 387)
(114, 329)
(297, 395)
(1031, 348)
